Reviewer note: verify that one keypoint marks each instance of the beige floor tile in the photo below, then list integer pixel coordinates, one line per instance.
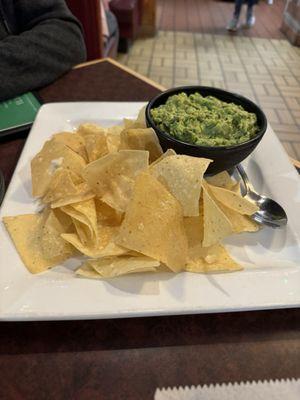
(289, 148)
(184, 82)
(290, 131)
(296, 146)
(167, 82)
(158, 62)
(167, 62)
(162, 71)
(292, 103)
(286, 117)
(271, 115)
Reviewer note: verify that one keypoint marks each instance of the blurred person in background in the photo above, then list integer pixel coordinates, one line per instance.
(39, 41)
(109, 22)
(250, 17)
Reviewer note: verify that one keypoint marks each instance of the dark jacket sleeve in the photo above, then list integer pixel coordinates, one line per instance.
(48, 43)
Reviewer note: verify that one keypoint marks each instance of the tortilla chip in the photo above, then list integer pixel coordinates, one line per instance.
(51, 241)
(112, 176)
(182, 175)
(115, 130)
(216, 259)
(141, 118)
(84, 194)
(90, 129)
(153, 224)
(105, 247)
(64, 219)
(168, 153)
(52, 156)
(107, 215)
(141, 139)
(26, 233)
(237, 188)
(85, 213)
(233, 200)
(130, 124)
(74, 141)
(239, 222)
(96, 146)
(83, 232)
(194, 231)
(63, 183)
(87, 271)
(216, 225)
(110, 267)
(222, 179)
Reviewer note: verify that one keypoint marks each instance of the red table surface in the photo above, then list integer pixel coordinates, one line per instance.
(130, 358)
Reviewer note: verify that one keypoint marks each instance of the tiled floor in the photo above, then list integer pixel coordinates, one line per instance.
(265, 70)
(212, 16)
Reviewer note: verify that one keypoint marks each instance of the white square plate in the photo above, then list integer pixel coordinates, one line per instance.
(271, 278)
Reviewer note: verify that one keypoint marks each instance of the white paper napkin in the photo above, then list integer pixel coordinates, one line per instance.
(267, 390)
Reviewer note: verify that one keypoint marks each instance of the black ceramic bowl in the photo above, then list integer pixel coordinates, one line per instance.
(224, 157)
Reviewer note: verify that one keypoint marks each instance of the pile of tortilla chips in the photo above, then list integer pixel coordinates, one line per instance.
(112, 196)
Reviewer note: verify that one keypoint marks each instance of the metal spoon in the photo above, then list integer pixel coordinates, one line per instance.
(270, 213)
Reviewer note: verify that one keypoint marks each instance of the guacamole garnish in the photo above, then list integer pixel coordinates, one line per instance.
(205, 121)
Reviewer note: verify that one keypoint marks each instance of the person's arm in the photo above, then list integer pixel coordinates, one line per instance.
(50, 42)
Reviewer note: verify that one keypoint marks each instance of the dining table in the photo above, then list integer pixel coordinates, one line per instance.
(129, 358)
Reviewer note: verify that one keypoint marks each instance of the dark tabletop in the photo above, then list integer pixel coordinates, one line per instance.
(130, 358)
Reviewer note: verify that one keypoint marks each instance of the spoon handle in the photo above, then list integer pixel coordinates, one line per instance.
(250, 191)
(244, 176)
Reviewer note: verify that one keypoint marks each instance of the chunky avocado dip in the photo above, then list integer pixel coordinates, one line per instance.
(205, 121)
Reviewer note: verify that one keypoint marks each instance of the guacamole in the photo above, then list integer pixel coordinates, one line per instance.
(205, 121)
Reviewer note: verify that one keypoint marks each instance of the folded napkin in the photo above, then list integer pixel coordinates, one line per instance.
(267, 390)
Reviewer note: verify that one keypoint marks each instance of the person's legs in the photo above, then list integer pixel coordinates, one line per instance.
(233, 24)
(237, 8)
(250, 18)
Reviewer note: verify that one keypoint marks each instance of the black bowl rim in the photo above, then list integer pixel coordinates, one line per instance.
(198, 87)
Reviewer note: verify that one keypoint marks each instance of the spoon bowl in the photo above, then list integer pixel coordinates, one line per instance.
(270, 213)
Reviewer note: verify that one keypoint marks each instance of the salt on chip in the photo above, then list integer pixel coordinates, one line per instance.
(72, 140)
(141, 139)
(52, 156)
(182, 175)
(216, 225)
(112, 176)
(26, 232)
(233, 200)
(153, 224)
(110, 267)
(215, 259)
